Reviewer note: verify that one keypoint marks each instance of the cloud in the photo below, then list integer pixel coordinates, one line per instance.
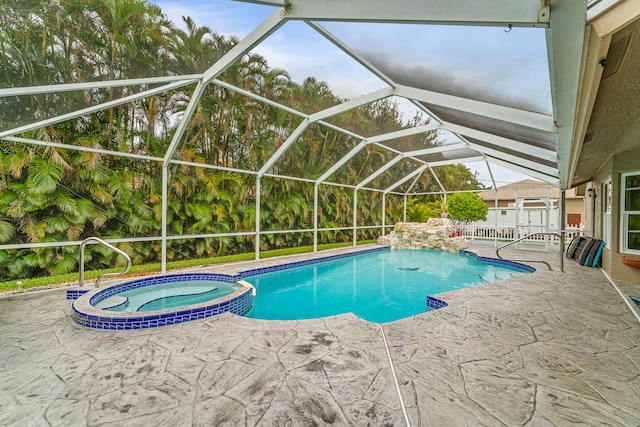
(478, 62)
(345, 77)
(303, 52)
(502, 175)
(295, 47)
(474, 83)
(224, 17)
(483, 63)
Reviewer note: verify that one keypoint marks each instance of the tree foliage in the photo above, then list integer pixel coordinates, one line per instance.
(467, 207)
(49, 194)
(420, 212)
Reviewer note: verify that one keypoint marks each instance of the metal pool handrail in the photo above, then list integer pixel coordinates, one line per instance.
(110, 246)
(532, 260)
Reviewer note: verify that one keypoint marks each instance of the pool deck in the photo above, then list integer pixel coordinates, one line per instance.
(547, 349)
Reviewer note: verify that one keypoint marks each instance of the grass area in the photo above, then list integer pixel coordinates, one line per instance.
(139, 270)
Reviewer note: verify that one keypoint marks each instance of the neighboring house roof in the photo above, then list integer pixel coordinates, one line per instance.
(526, 187)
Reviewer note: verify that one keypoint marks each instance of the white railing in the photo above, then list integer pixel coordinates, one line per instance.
(110, 246)
(505, 232)
(515, 242)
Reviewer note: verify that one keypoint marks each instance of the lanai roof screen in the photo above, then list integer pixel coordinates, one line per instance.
(502, 66)
(482, 87)
(498, 65)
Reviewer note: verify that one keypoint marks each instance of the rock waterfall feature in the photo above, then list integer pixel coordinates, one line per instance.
(436, 233)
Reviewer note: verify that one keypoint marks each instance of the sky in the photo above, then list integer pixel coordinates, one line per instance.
(484, 63)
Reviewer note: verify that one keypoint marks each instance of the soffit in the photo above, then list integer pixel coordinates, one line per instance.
(614, 126)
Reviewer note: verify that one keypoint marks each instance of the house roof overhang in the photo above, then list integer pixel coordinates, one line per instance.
(609, 100)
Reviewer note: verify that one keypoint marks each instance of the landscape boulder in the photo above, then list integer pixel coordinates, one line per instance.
(434, 234)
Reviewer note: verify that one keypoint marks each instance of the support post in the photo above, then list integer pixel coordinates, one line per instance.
(355, 217)
(548, 206)
(593, 211)
(517, 224)
(563, 225)
(257, 218)
(495, 234)
(384, 208)
(404, 214)
(165, 204)
(315, 217)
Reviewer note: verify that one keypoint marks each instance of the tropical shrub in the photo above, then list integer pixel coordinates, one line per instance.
(467, 207)
(51, 194)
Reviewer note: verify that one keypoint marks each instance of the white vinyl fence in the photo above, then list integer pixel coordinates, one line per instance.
(501, 233)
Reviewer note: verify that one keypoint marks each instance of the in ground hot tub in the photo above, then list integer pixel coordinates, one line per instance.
(162, 300)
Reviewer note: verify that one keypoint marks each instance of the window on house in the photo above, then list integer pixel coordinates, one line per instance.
(607, 201)
(630, 213)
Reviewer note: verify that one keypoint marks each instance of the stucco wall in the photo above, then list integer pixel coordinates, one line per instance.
(611, 257)
(575, 206)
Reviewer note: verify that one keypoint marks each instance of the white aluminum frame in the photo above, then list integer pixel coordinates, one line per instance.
(624, 216)
(565, 28)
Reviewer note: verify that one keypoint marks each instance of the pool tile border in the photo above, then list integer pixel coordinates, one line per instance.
(239, 302)
(74, 294)
(287, 266)
(154, 280)
(84, 313)
(497, 261)
(435, 303)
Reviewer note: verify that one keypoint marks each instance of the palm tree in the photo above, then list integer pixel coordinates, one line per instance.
(58, 195)
(195, 49)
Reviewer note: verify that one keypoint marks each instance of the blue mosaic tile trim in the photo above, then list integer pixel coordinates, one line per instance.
(154, 280)
(636, 300)
(435, 303)
(74, 294)
(498, 261)
(239, 305)
(280, 267)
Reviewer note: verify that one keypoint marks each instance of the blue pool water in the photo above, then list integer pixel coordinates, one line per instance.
(379, 287)
(164, 296)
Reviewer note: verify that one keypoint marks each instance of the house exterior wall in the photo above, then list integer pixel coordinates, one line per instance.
(575, 206)
(611, 257)
(507, 215)
(501, 203)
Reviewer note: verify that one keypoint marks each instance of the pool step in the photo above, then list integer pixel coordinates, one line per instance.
(503, 276)
(489, 277)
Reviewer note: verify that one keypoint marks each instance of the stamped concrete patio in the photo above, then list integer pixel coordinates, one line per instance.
(547, 349)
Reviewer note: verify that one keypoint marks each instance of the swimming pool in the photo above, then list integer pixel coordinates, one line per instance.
(379, 287)
(316, 288)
